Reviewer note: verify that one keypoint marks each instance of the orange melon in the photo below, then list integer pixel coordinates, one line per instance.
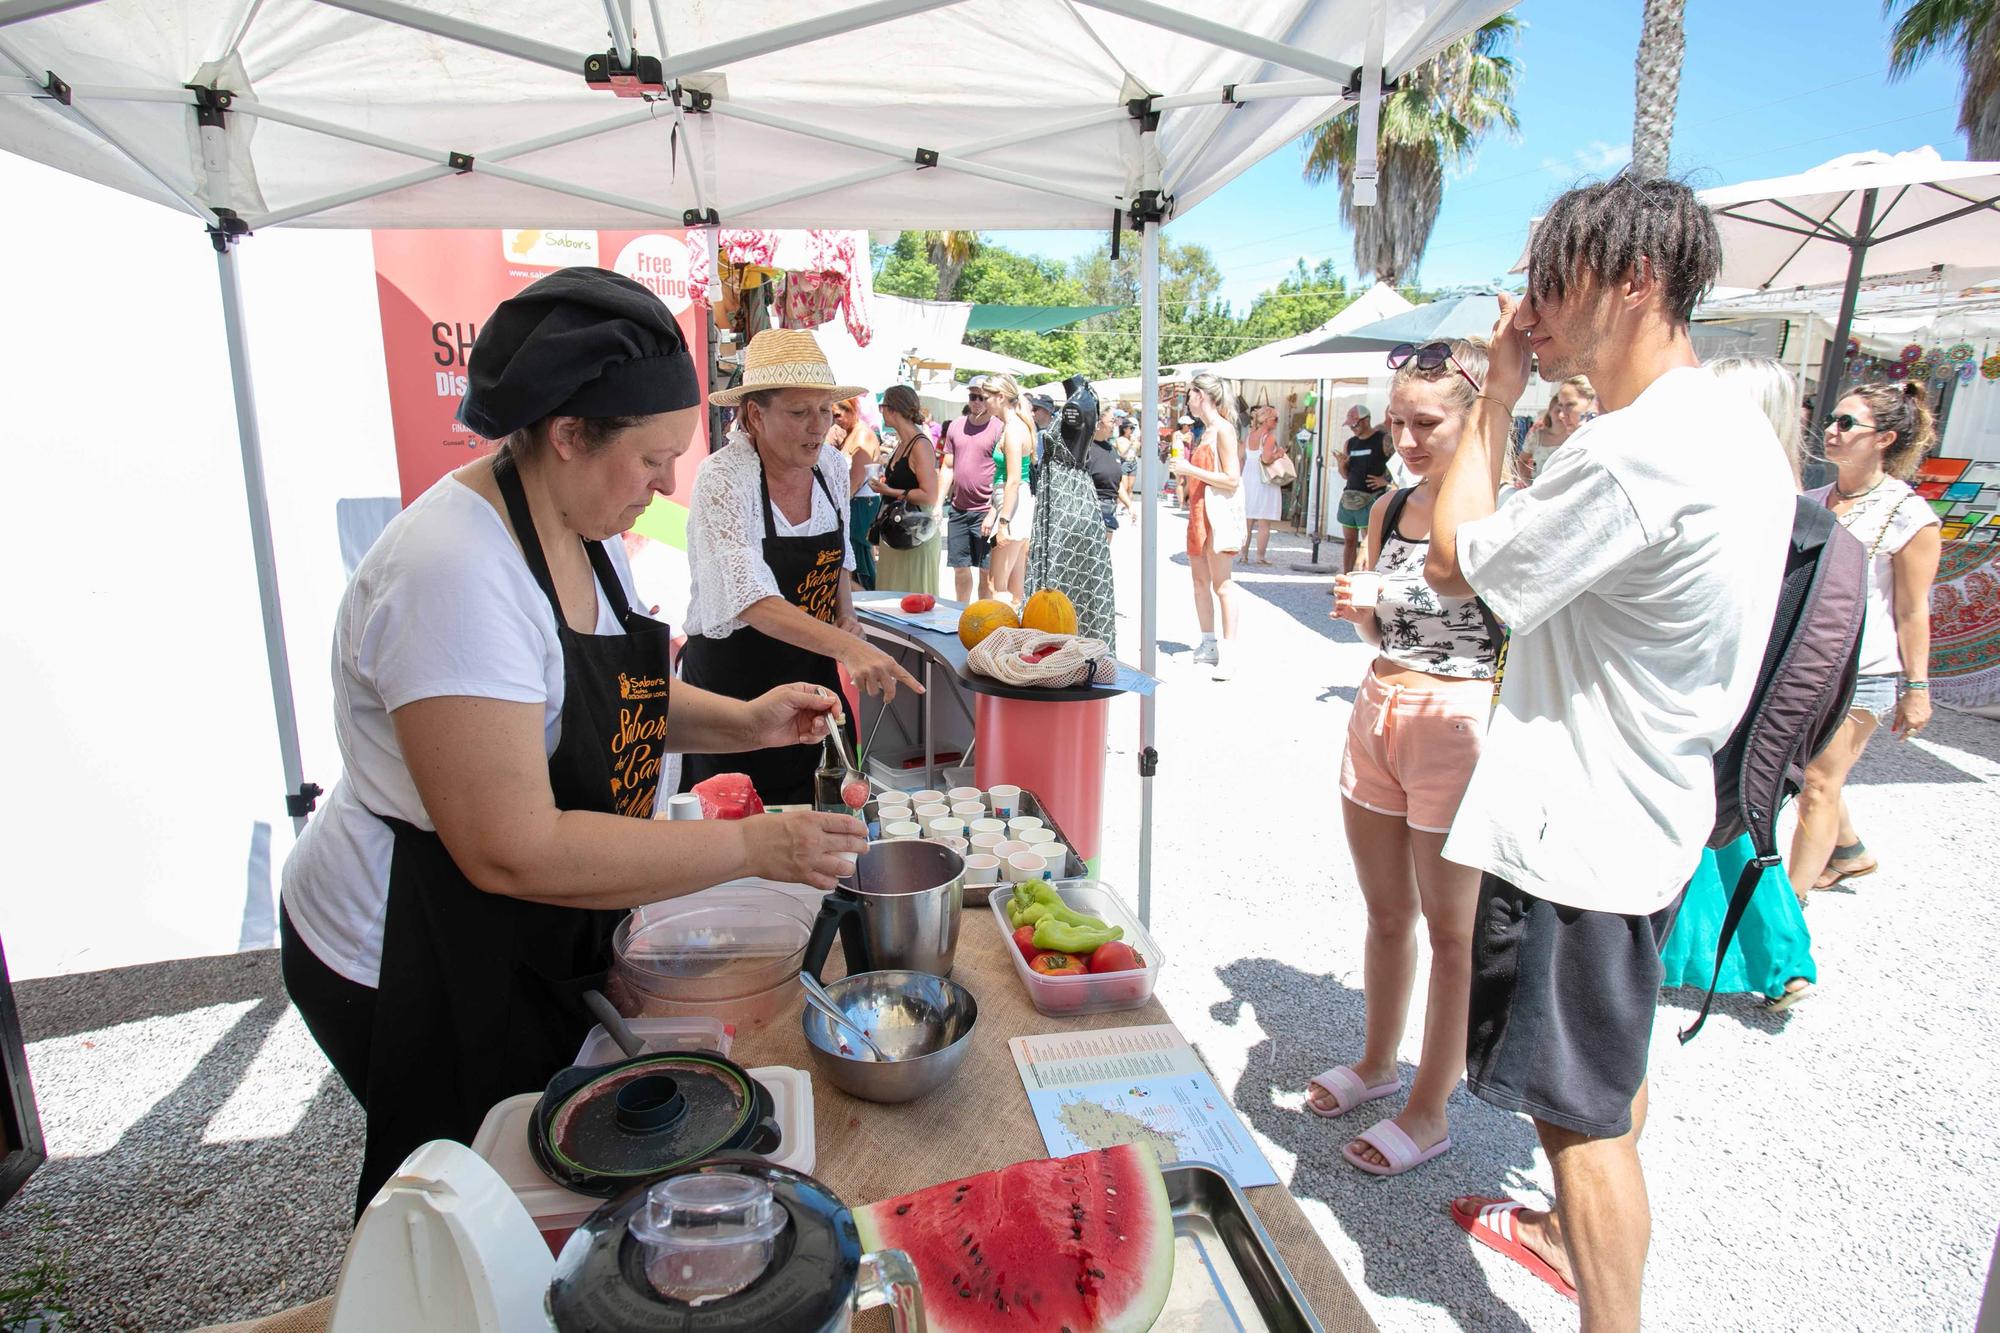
(1050, 612)
(982, 618)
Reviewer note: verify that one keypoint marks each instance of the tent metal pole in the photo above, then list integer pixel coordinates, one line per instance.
(299, 794)
(19, 11)
(1284, 89)
(1149, 545)
(1836, 351)
(621, 30)
(794, 34)
(472, 34)
(1316, 484)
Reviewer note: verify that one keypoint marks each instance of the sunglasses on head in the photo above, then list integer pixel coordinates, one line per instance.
(1429, 356)
(1846, 422)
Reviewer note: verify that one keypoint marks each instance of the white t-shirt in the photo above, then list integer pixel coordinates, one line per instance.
(726, 569)
(1639, 576)
(442, 604)
(1883, 521)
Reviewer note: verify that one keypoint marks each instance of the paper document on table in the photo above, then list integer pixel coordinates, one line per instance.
(1129, 1085)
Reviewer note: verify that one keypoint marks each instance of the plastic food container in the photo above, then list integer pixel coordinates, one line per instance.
(730, 953)
(658, 1034)
(1094, 992)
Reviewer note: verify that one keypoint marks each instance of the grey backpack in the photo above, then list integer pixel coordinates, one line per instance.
(1803, 691)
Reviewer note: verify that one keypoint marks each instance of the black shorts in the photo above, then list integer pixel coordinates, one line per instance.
(966, 547)
(1562, 1008)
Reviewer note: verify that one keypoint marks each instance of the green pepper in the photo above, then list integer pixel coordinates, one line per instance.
(1067, 938)
(1045, 894)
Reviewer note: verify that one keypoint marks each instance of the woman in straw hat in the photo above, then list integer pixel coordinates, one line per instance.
(503, 711)
(771, 597)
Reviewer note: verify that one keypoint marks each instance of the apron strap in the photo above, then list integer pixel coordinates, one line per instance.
(771, 524)
(507, 476)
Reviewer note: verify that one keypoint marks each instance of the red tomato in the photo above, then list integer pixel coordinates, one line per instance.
(1024, 940)
(917, 602)
(1051, 963)
(1117, 956)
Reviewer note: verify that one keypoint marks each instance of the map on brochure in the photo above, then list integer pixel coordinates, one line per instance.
(1134, 1085)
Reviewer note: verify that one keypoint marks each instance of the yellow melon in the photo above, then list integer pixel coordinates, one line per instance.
(1050, 612)
(982, 618)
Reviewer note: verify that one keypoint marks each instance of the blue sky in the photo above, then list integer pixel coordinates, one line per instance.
(1769, 87)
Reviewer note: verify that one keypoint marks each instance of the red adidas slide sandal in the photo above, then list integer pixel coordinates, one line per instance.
(1491, 1223)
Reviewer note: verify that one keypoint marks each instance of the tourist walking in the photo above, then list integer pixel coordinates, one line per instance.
(856, 438)
(1364, 467)
(1771, 952)
(1071, 549)
(1215, 531)
(1875, 439)
(1263, 499)
(909, 479)
(1639, 591)
(1010, 522)
(969, 445)
(1412, 741)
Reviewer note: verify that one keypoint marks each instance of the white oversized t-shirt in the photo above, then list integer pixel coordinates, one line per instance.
(1638, 576)
(442, 604)
(726, 569)
(1883, 521)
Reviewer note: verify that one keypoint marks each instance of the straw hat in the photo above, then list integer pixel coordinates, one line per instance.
(784, 359)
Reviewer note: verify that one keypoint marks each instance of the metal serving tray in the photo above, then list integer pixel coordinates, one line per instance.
(1031, 804)
(1228, 1277)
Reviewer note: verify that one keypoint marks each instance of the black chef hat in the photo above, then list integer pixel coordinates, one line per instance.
(582, 342)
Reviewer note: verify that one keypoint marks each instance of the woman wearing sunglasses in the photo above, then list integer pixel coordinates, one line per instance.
(1412, 741)
(1877, 436)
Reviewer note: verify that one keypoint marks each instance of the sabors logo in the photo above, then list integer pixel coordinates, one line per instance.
(548, 249)
(641, 687)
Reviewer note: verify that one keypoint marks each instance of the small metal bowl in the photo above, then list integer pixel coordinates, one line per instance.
(922, 1023)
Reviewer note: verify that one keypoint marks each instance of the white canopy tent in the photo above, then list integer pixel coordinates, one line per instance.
(250, 114)
(1279, 361)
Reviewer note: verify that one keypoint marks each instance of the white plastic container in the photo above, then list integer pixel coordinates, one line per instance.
(1091, 992)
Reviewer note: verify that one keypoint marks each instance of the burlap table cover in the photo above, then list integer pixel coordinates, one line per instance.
(981, 1119)
(978, 1121)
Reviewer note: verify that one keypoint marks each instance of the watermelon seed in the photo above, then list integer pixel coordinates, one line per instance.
(902, 1209)
(966, 1292)
(1095, 1272)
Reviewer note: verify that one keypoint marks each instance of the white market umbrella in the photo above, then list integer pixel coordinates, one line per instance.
(1864, 215)
(1282, 360)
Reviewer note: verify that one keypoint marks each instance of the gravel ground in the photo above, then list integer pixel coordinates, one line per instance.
(203, 1152)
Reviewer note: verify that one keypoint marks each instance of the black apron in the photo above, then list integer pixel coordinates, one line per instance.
(749, 662)
(481, 995)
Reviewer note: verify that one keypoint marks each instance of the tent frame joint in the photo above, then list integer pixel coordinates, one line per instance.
(211, 105)
(643, 77)
(461, 163)
(1149, 762)
(701, 217)
(927, 157)
(700, 101)
(227, 229)
(56, 88)
(1229, 95)
(1142, 109)
(1150, 206)
(300, 803)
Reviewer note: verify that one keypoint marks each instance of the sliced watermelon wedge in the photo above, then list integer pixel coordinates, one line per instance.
(728, 796)
(1083, 1243)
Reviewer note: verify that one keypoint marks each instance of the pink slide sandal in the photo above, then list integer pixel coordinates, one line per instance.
(1398, 1149)
(1348, 1091)
(1491, 1223)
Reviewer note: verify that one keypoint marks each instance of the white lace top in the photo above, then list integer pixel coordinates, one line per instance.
(1422, 630)
(725, 534)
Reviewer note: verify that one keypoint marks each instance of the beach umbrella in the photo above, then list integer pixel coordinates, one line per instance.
(1453, 317)
(1864, 215)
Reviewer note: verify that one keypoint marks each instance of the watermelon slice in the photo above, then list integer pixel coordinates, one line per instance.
(1082, 1243)
(727, 796)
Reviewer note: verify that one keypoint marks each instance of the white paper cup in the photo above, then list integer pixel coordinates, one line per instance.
(981, 868)
(1036, 837)
(1364, 589)
(927, 798)
(969, 811)
(901, 829)
(1020, 824)
(987, 842)
(1023, 867)
(956, 844)
(961, 794)
(1005, 800)
(1007, 849)
(947, 826)
(986, 825)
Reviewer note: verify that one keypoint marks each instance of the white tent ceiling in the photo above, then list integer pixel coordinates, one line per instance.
(819, 111)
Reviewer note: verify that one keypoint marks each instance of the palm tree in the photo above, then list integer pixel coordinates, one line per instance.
(1433, 119)
(1972, 28)
(1662, 43)
(949, 253)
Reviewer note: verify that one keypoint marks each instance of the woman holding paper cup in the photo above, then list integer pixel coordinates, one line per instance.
(1412, 741)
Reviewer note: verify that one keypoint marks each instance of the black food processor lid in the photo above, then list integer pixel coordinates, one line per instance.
(741, 1243)
(602, 1129)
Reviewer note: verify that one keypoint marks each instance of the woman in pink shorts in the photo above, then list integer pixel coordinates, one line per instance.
(1411, 745)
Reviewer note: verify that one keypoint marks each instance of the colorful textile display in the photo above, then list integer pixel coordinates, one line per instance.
(1965, 625)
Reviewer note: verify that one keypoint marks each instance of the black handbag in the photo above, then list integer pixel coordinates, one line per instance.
(902, 526)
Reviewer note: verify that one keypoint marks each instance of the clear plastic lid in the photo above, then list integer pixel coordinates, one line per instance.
(707, 1235)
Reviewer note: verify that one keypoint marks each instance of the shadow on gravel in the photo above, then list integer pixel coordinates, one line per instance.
(1679, 1004)
(1411, 1248)
(167, 1229)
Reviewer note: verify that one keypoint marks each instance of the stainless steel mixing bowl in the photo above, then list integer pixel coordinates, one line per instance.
(924, 1024)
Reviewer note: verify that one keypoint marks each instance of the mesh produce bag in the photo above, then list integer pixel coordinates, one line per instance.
(1033, 657)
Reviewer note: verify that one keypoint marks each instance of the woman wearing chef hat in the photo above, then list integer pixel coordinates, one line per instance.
(503, 713)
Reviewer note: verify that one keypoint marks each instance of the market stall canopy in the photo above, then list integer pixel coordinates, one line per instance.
(488, 113)
(988, 317)
(1279, 360)
(1454, 317)
(964, 357)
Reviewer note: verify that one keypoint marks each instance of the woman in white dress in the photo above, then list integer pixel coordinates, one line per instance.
(1263, 501)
